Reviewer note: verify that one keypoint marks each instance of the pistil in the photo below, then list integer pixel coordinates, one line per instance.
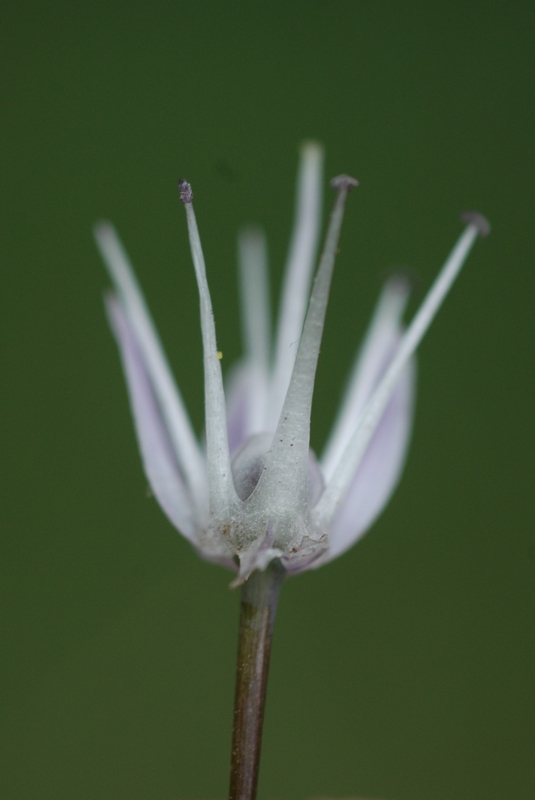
(221, 489)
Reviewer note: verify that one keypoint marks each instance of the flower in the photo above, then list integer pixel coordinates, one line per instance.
(256, 492)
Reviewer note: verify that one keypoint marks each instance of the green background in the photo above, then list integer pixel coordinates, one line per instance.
(404, 670)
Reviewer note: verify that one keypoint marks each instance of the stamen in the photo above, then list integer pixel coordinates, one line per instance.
(297, 274)
(184, 442)
(255, 321)
(382, 335)
(186, 192)
(220, 483)
(371, 416)
(478, 221)
(344, 183)
(287, 464)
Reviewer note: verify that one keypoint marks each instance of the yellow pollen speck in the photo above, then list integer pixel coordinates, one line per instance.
(219, 355)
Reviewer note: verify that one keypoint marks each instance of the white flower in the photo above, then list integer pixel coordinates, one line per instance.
(256, 491)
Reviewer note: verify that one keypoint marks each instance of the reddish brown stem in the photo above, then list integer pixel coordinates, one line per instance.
(260, 594)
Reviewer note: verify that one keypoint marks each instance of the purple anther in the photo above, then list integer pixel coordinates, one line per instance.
(344, 183)
(186, 192)
(478, 221)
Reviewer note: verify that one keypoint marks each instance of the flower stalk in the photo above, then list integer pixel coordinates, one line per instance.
(251, 495)
(260, 594)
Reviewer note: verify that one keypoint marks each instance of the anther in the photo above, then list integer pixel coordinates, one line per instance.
(478, 221)
(344, 183)
(186, 192)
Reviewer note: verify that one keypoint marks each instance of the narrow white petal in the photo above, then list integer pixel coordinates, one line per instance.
(187, 450)
(285, 477)
(378, 345)
(371, 416)
(252, 257)
(157, 452)
(220, 485)
(379, 471)
(297, 275)
(239, 390)
(256, 324)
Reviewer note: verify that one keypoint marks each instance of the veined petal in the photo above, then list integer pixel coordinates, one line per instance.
(157, 452)
(337, 487)
(297, 275)
(186, 447)
(223, 497)
(383, 334)
(256, 326)
(379, 471)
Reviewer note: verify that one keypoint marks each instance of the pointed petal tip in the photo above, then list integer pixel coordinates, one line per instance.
(344, 183)
(478, 221)
(311, 148)
(402, 280)
(102, 228)
(186, 192)
(251, 233)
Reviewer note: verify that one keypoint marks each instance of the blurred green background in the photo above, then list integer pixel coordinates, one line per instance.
(404, 670)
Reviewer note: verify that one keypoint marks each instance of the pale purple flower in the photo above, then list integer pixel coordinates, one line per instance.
(255, 491)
